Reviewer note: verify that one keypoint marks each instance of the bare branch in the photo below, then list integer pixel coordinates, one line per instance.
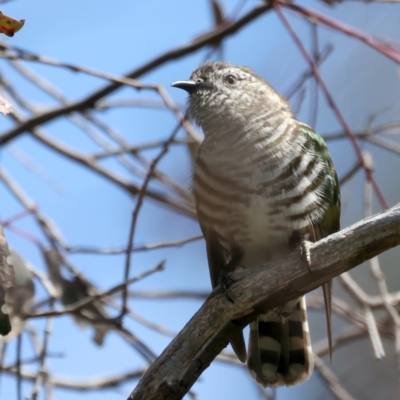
(135, 214)
(122, 250)
(134, 149)
(332, 103)
(219, 32)
(385, 48)
(119, 180)
(90, 299)
(176, 294)
(42, 368)
(84, 385)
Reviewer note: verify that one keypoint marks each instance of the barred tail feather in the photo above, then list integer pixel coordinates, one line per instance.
(280, 347)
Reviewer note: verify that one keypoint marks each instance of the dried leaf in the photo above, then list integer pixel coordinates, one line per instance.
(9, 26)
(5, 106)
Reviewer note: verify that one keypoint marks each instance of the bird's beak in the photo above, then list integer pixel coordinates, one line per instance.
(189, 86)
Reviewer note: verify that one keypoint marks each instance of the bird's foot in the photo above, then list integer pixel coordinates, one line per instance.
(305, 246)
(225, 281)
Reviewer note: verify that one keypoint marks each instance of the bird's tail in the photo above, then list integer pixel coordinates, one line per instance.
(279, 346)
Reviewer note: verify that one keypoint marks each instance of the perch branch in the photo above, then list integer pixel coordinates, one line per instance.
(255, 291)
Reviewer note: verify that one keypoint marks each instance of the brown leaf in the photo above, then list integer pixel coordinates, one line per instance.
(9, 26)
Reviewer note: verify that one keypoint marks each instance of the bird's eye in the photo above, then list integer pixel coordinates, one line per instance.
(199, 81)
(231, 80)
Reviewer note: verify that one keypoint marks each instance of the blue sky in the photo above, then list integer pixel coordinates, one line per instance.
(116, 37)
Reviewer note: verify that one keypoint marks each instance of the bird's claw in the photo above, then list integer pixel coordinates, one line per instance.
(305, 246)
(224, 282)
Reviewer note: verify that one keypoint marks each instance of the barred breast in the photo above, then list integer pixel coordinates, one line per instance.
(255, 190)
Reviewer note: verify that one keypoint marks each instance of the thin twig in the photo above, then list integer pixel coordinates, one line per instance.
(383, 128)
(82, 122)
(42, 360)
(16, 217)
(90, 163)
(19, 377)
(90, 299)
(44, 280)
(146, 103)
(136, 213)
(146, 247)
(326, 51)
(350, 173)
(137, 148)
(90, 101)
(386, 49)
(380, 279)
(316, 56)
(175, 294)
(86, 384)
(331, 103)
(35, 168)
(48, 227)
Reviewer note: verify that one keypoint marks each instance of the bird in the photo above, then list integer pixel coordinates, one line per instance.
(264, 186)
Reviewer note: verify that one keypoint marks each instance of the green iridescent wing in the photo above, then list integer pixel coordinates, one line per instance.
(330, 221)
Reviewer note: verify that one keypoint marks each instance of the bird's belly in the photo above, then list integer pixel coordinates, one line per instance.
(258, 222)
(264, 233)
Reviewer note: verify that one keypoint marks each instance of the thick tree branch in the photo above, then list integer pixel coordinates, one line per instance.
(256, 290)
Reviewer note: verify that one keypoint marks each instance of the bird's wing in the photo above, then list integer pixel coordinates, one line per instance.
(330, 221)
(215, 254)
(216, 263)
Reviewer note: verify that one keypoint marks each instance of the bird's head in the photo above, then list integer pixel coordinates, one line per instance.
(219, 91)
